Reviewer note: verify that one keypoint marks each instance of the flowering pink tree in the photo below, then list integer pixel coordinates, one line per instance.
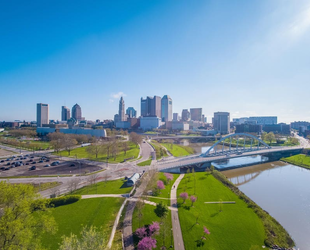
(141, 232)
(184, 196)
(160, 185)
(154, 228)
(193, 199)
(147, 243)
(169, 177)
(205, 230)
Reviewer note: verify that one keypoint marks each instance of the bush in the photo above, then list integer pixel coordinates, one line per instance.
(64, 200)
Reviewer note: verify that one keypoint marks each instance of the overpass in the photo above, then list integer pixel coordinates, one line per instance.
(200, 162)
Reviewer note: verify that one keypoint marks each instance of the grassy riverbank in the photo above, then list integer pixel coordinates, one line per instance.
(242, 225)
(299, 160)
(178, 150)
(159, 150)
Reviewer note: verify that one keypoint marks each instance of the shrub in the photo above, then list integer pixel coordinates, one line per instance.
(64, 200)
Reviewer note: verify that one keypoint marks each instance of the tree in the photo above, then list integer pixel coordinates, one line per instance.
(147, 243)
(90, 239)
(23, 217)
(193, 199)
(169, 177)
(114, 149)
(69, 143)
(140, 206)
(95, 149)
(135, 138)
(125, 147)
(270, 137)
(161, 209)
(212, 169)
(184, 196)
(264, 134)
(160, 185)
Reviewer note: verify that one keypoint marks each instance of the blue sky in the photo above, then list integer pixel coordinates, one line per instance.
(246, 57)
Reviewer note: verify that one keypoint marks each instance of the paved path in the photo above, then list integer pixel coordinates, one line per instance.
(177, 233)
(88, 196)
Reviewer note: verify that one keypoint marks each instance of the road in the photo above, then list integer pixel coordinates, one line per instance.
(303, 141)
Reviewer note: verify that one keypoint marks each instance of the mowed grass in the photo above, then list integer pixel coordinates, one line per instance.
(148, 217)
(299, 160)
(99, 212)
(178, 150)
(145, 163)
(133, 151)
(159, 150)
(236, 227)
(108, 187)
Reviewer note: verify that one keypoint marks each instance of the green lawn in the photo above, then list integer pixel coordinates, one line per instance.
(148, 217)
(236, 227)
(99, 212)
(109, 187)
(299, 160)
(145, 163)
(178, 150)
(81, 152)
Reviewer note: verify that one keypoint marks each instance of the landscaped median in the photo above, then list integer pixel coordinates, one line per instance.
(239, 225)
(299, 160)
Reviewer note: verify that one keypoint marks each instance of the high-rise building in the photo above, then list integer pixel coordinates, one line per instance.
(77, 112)
(65, 113)
(264, 120)
(42, 114)
(151, 107)
(131, 112)
(221, 122)
(121, 110)
(196, 114)
(166, 109)
(186, 115)
(175, 117)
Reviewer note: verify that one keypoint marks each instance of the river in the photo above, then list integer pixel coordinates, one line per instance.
(279, 188)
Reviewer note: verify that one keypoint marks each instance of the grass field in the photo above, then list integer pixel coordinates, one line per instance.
(178, 150)
(99, 212)
(235, 227)
(81, 152)
(299, 160)
(109, 187)
(145, 163)
(148, 217)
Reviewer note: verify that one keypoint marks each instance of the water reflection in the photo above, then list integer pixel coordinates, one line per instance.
(282, 190)
(242, 161)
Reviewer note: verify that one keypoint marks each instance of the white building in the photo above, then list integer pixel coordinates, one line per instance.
(149, 123)
(180, 125)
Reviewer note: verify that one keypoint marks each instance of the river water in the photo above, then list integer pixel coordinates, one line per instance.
(279, 188)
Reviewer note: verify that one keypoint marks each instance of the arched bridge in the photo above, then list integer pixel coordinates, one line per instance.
(236, 143)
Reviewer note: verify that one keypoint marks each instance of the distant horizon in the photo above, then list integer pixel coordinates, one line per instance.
(248, 58)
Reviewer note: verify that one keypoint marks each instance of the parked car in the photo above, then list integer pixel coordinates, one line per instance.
(40, 161)
(54, 163)
(47, 165)
(34, 162)
(9, 163)
(27, 163)
(72, 165)
(32, 168)
(2, 161)
(47, 160)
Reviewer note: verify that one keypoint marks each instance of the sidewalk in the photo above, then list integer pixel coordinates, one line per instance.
(177, 232)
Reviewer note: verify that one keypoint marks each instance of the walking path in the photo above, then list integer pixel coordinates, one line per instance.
(176, 228)
(87, 196)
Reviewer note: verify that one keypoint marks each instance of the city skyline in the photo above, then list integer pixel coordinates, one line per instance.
(247, 58)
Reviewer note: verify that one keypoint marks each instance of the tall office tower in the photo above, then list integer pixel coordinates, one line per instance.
(151, 106)
(175, 116)
(203, 118)
(42, 114)
(221, 122)
(166, 109)
(131, 112)
(65, 113)
(196, 114)
(186, 115)
(77, 112)
(121, 110)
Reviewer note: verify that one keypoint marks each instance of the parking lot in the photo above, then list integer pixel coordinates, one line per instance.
(29, 165)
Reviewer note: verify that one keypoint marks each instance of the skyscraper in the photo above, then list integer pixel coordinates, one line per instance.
(186, 115)
(221, 122)
(42, 114)
(196, 114)
(166, 109)
(65, 113)
(121, 110)
(131, 112)
(175, 116)
(151, 106)
(77, 112)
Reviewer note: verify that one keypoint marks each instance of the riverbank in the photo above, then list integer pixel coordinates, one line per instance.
(275, 233)
(298, 160)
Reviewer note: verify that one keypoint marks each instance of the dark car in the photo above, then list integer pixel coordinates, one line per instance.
(40, 161)
(32, 168)
(6, 169)
(8, 164)
(54, 163)
(32, 157)
(47, 165)
(34, 162)
(2, 168)
(47, 160)
(2, 161)
(72, 165)
(27, 163)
